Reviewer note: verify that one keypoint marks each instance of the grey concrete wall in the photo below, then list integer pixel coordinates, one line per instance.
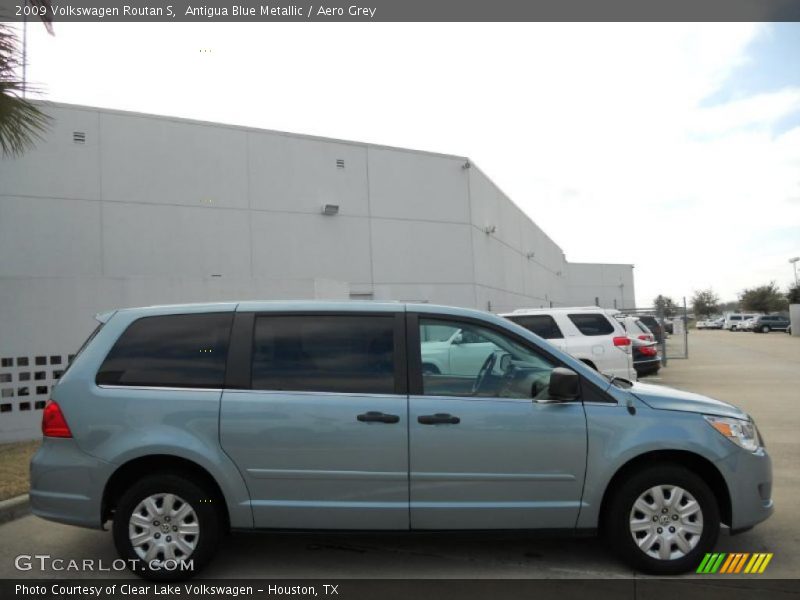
(153, 210)
(611, 284)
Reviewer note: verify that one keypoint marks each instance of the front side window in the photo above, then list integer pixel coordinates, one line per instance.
(542, 325)
(170, 351)
(342, 354)
(480, 362)
(592, 323)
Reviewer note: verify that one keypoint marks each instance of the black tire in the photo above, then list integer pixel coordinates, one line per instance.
(618, 513)
(765, 329)
(428, 369)
(201, 501)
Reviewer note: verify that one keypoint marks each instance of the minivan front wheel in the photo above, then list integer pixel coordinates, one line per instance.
(663, 520)
(166, 527)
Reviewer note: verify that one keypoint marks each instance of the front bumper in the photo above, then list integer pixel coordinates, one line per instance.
(749, 478)
(67, 484)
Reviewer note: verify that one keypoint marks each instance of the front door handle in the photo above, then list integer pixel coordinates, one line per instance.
(438, 418)
(373, 416)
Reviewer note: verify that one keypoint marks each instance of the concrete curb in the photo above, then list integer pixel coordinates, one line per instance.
(14, 508)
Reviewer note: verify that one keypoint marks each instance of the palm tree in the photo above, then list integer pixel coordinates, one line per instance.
(21, 122)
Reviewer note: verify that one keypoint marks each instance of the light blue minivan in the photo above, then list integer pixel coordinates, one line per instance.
(179, 423)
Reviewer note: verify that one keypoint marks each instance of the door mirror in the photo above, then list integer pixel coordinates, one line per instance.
(458, 338)
(564, 385)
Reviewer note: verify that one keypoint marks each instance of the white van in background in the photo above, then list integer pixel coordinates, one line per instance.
(733, 320)
(590, 334)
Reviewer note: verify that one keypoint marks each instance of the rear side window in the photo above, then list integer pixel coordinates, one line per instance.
(170, 351)
(592, 324)
(343, 354)
(542, 325)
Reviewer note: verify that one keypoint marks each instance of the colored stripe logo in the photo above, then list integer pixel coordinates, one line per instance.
(735, 562)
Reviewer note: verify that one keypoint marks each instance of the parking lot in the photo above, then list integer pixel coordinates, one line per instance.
(760, 373)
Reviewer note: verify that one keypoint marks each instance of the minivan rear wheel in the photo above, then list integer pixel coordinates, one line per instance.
(663, 520)
(166, 527)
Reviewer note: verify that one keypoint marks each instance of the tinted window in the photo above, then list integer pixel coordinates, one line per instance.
(542, 325)
(345, 354)
(488, 364)
(592, 324)
(170, 351)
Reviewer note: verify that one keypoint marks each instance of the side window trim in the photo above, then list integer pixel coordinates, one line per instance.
(240, 352)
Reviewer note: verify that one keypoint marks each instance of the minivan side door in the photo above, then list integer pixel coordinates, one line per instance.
(484, 453)
(318, 426)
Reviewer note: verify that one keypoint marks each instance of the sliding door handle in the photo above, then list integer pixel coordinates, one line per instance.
(438, 418)
(373, 416)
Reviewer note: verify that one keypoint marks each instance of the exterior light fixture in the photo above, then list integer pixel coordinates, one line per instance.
(490, 229)
(530, 255)
(466, 165)
(330, 210)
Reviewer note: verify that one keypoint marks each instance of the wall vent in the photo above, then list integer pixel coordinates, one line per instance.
(79, 137)
(340, 163)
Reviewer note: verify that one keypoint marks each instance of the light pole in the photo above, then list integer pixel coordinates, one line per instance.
(793, 261)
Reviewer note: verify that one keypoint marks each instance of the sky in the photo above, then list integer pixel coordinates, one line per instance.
(674, 147)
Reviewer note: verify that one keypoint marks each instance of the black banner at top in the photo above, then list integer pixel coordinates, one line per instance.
(398, 10)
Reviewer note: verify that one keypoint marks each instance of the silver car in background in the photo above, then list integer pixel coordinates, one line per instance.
(180, 423)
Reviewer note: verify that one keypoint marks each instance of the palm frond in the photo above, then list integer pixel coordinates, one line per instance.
(21, 122)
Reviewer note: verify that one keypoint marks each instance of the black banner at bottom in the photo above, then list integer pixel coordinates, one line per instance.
(407, 589)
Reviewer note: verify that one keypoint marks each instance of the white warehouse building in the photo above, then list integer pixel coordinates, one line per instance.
(115, 209)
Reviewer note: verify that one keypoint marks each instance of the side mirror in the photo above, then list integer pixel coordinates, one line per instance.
(458, 338)
(564, 385)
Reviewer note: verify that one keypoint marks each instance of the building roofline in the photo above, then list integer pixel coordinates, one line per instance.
(246, 128)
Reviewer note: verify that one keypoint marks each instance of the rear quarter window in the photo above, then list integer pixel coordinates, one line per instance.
(592, 323)
(170, 351)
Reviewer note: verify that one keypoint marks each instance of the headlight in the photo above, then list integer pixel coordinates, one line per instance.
(741, 433)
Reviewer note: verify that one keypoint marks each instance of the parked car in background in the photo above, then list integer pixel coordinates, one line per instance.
(179, 423)
(635, 328)
(733, 320)
(745, 324)
(711, 323)
(767, 323)
(590, 334)
(654, 325)
(669, 326)
(646, 360)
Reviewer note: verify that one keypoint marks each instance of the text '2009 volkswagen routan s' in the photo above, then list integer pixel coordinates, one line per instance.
(179, 423)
